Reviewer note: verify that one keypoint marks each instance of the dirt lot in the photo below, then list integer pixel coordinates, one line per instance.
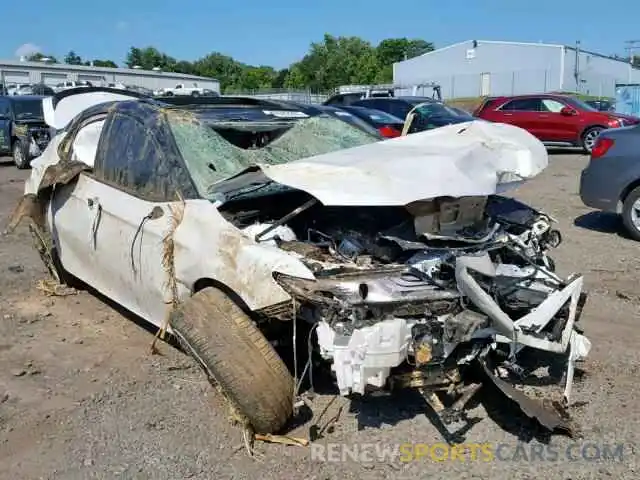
(82, 397)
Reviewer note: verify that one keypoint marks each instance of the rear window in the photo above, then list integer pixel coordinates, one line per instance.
(381, 117)
(28, 109)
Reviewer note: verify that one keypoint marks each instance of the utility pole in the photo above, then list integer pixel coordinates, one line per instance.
(576, 72)
(630, 47)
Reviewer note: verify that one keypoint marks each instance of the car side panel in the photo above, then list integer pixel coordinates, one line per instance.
(102, 240)
(604, 180)
(209, 247)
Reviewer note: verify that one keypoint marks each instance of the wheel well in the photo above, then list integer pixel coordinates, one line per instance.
(203, 283)
(629, 189)
(591, 127)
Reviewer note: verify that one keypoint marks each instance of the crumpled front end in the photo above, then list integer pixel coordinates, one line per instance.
(467, 282)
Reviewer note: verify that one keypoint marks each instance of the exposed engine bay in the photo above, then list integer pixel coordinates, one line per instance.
(435, 285)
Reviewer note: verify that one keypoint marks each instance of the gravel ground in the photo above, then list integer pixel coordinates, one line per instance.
(82, 397)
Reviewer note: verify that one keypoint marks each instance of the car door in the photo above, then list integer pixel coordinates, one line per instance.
(521, 112)
(558, 127)
(5, 126)
(119, 214)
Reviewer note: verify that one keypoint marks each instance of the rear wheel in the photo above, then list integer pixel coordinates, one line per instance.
(589, 138)
(20, 154)
(631, 213)
(234, 353)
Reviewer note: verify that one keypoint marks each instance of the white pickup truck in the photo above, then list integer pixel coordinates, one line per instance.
(182, 89)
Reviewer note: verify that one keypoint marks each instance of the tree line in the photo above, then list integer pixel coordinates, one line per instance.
(332, 62)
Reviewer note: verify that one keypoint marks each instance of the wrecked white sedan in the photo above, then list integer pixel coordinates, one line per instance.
(401, 257)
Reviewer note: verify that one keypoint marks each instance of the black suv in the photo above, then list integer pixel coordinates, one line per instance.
(23, 131)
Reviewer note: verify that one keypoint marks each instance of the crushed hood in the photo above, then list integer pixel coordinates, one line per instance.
(467, 159)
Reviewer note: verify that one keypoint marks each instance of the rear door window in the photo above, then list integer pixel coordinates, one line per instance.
(523, 105)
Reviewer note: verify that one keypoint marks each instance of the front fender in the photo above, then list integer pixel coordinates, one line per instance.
(208, 246)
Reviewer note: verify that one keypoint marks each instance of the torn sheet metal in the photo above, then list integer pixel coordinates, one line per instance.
(549, 414)
(469, 159)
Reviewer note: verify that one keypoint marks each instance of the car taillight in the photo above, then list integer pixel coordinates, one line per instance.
(389, 132)
(602, 146)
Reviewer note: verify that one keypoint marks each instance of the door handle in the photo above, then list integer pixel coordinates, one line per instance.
(508, 114)
(544, 116)
(94, 204)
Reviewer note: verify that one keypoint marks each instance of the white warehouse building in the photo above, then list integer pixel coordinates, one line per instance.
(481, 67)
(20, 72)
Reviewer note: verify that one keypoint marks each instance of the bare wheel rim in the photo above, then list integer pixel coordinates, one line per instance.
(635, 214)
(590, 138)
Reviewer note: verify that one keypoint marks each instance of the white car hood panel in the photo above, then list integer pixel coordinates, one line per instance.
(467, 159)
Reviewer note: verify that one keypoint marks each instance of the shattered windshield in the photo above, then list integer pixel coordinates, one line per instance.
(28, 109)
(211, 158)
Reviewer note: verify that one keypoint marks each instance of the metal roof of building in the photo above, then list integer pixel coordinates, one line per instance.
(86, 68)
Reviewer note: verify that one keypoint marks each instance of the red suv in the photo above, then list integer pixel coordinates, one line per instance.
(557, 120)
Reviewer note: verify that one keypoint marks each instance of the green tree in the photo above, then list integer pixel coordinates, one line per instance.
(39, 57)
(280, 78)
(337, 61)
(105, 63)
(149, 58)
(257, 78)
(392, 50)
(72, 58)
(221, 67)
(295, 78)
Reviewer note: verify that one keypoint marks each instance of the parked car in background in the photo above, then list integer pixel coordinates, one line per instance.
(182, 90)
(23, 131)
(601, 105)
(429, 113)
(388, 125)
(557, 120)
(14, 88)
(138, 89)
(66, 85)
(36, 89)
(611, 180)
(346, 99)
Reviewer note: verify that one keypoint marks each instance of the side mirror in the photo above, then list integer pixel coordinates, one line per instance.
(568, 112)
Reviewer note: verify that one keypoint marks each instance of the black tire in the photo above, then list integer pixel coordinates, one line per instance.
(195, 94)
(20, 153)
(589, 137)
(628, 214)
(168, 94)
(234, 353)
